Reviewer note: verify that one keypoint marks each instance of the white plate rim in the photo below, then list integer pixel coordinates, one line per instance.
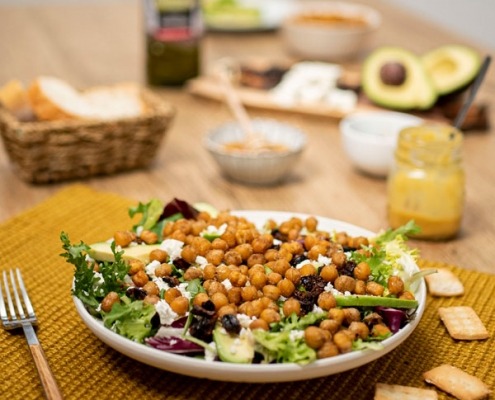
(255, 373)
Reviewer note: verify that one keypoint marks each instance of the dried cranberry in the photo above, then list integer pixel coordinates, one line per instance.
(172, 281)
(180, 263)
(136, 293)
(298, 259)
(348, 268)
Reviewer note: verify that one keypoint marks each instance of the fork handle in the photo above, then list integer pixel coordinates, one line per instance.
(48, 381)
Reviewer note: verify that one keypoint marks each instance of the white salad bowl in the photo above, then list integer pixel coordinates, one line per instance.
(257, 373)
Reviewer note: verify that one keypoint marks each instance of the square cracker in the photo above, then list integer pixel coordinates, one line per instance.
(458, 383)
(398, 392)
(463, 323)
(444, 283)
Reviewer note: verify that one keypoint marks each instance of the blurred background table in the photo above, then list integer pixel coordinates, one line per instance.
(98, 43)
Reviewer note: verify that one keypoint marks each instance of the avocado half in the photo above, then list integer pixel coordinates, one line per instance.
(414, 91)
(451, 67)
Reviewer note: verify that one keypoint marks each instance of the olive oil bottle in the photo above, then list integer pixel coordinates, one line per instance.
(173, 35)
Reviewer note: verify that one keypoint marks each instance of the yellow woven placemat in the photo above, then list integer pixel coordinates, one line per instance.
(88, 369)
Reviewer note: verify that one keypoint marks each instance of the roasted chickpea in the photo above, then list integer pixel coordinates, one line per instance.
(362, 271)
(163, 270)
(286, 287)
(339, 258)
(123, 238)
(148, 237)
(258, 280)
(406, 295)
(233, 257)
(360, 329)
(328, 349)
(215, 256)
(234, 295)
(171, 294)
(291, 306)
(109, 300)
(270, 315)
(351, 315)
(262, 243)
(215, 287)
(274, 278)
(151, 288)
(343, 341)
(201, 244)
(229, 238)
(336, 314)
(219, 299)
(330, 325)
(245, 250)
(326, 301)
(281, 266)
(254, 259)
(380, 330)
(151, 299)
(193, 273)
(293, 275)
(227, 309)
(314, 337)
(200, 298)
(329, 273)
(249, 293)
(360, 287)
(209, 271)
(135, 266)
(272, 292)
(180, 305)
(345, 283)
(308, 269)
(395, 285)
(311, 224)
(219, 244)
(374, 288)
(259, 324)
(140, 278)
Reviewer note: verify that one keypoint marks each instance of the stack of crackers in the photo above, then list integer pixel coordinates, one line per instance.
(462, 323)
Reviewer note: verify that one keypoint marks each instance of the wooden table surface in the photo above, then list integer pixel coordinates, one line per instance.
(97, 43)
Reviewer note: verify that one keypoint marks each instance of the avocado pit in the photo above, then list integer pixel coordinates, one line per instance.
(393, 73)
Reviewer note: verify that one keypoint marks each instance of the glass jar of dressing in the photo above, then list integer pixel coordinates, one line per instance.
(427, 181)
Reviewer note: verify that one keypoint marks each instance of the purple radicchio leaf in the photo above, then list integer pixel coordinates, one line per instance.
(393, 318)
(179, 206)
(173, 344)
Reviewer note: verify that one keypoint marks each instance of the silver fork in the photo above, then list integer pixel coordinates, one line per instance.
(25, 320)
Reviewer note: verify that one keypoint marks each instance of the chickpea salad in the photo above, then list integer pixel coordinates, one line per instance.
(189, 280)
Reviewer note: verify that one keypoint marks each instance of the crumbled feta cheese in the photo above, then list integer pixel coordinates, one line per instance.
(173, 248)
(139, 230)
(128, 279)
(329, 288)
(183, 289)
(317, 309)
(245, 320)
(227, 284)
(302, 263)
(88, 258)
(167, 315)
(201, 261)
(277, 242)
(211, 352)
(150, 268)
(212, 230)
(296, 334)
(324, 260)
(162, 285)
(99, 276)
(167, 331)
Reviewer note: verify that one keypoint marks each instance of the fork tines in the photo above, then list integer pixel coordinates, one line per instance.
(25, 313)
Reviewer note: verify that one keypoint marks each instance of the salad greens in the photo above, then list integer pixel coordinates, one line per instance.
(150, 318)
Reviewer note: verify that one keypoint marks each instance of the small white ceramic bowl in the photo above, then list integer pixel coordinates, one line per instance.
(265, 168)
(369, 138)
(327, 41)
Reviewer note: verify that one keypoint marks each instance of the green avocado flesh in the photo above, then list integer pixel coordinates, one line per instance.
(374, 301)
(451, 67)
(102, 252)
(233, 348)
(416, 92)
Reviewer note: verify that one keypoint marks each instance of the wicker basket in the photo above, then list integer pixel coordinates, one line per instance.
(43, 152)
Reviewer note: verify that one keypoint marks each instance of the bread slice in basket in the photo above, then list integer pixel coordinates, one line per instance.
(54, 99)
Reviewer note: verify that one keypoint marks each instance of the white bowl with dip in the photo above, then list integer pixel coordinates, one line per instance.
(329, 30)
(256, 167)
(369, 138)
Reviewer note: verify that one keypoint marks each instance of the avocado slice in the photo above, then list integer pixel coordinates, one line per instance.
(395, 78)
(374, 301)
(102, 252)
(237, 349)
(451, 67)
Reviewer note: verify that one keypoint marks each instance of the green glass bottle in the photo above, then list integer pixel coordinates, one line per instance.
(174, 31)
